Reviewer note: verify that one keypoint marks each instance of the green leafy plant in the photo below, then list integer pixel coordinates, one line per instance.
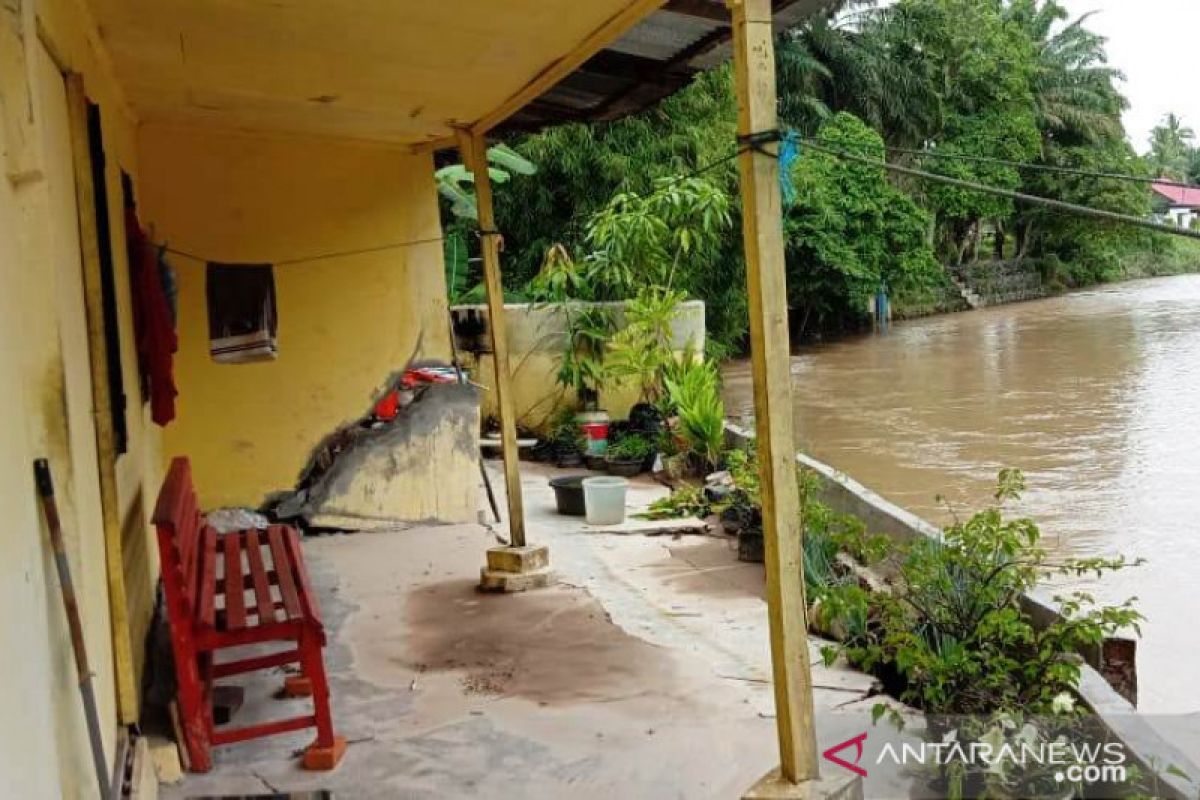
(455, 182)
(630, 447)
(583, 369)
(685, 501)
(693, 396)
(642, 348)
(639, 240)
(955, 630)
(560, 278)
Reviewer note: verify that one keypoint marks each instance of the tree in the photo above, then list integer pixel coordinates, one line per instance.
(1171, 149)
(1074, 90)
(850, 232)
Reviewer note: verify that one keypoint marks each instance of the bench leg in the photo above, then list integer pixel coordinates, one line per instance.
(195, 715)
(328, 749)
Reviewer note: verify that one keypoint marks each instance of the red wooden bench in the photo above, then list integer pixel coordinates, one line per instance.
(227, 590)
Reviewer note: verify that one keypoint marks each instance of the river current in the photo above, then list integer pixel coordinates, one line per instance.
(1095, 395)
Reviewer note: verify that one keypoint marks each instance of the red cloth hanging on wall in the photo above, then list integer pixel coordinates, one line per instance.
(154, 327)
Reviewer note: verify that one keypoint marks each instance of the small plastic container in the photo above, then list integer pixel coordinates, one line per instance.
(604, 500)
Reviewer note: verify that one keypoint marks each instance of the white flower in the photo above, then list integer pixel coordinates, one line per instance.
(1064, 703)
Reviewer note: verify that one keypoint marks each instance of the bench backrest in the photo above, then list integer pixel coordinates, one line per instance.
(180, 526)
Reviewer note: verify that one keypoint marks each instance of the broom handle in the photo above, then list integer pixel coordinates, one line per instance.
(45, 487)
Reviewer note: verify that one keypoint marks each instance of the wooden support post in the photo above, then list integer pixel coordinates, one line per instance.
(762, 228)
(106, 455)
(473, 148)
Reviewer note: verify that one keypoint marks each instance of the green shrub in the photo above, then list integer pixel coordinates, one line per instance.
(955, 630)
(631, 447)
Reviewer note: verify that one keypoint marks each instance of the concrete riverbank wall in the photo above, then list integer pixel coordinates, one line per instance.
(993, 283)
(1177, 774)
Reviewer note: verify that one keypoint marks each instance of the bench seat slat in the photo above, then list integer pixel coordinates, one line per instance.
(308, 598)
(206, 611)
(235, 598)
(284, 572)
(258, 575)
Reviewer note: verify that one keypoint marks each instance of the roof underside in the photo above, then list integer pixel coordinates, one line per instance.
(653, 60)
(407, 72)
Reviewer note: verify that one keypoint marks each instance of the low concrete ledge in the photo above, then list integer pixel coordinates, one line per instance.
(1120, 717)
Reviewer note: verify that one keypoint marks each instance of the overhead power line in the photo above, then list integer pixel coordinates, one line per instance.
(1019, 197)
(1031, 167)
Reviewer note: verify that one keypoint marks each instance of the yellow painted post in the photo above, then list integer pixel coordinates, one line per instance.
(473, 148)
(127, 696)
(762, 228)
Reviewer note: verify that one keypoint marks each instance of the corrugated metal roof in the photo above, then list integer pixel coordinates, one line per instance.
(654, 59)
(1179, 195)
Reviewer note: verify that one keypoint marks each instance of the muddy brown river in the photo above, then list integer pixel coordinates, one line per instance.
(1094, 395)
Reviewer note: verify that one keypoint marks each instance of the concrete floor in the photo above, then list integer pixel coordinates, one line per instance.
(645, 673)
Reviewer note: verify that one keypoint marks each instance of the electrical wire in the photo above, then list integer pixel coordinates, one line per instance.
(1020, 197)
(1030, 167)
(317, 257)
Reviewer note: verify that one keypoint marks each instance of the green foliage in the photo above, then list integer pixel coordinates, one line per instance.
(454, 182)
(955, 628)
(631, 447)
(647, 240)
(686, 501)
(642, 349)
(583, 369)
(693, 396)
(454, 251)
(850, 231)
(1172, 150)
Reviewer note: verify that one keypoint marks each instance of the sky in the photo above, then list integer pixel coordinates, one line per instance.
(1154, 43)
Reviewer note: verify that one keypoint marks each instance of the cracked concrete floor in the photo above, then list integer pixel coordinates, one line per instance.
(643, 674)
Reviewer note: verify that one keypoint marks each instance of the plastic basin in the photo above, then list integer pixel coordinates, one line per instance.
(568, 494)
(604, 499)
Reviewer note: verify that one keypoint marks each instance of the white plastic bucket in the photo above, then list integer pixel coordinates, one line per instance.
(604, 500)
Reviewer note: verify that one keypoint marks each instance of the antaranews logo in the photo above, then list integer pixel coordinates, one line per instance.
(857, 743)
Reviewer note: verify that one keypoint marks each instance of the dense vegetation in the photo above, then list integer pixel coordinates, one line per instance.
(1007, 79)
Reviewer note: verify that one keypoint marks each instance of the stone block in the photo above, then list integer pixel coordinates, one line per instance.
(164, 755)
(529, 558)
(491, 580)
(837, 785)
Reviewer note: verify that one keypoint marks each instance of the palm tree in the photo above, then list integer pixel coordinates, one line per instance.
(1171, 152)
(859, 60)
(1074, 89)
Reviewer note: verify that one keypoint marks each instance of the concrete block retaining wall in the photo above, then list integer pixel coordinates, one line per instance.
(999, 282)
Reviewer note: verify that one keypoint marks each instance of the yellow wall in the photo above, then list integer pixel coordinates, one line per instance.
(345, 323)
(46, 394)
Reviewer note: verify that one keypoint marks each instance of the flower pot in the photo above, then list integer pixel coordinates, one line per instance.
(574, 459)
(624, 467)
(750, 546)
(568, 495)
(595, 462)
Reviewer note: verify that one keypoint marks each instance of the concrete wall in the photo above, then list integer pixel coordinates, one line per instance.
(999, 282)
(346, 323)
(46, 395)
(536, 338)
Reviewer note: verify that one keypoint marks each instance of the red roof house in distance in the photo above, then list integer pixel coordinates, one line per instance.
(1175, 204)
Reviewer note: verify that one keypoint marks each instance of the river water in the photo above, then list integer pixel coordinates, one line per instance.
(1094, 395)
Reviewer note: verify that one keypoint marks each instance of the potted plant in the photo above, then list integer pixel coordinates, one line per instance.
(627, 456)
(564, 440)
